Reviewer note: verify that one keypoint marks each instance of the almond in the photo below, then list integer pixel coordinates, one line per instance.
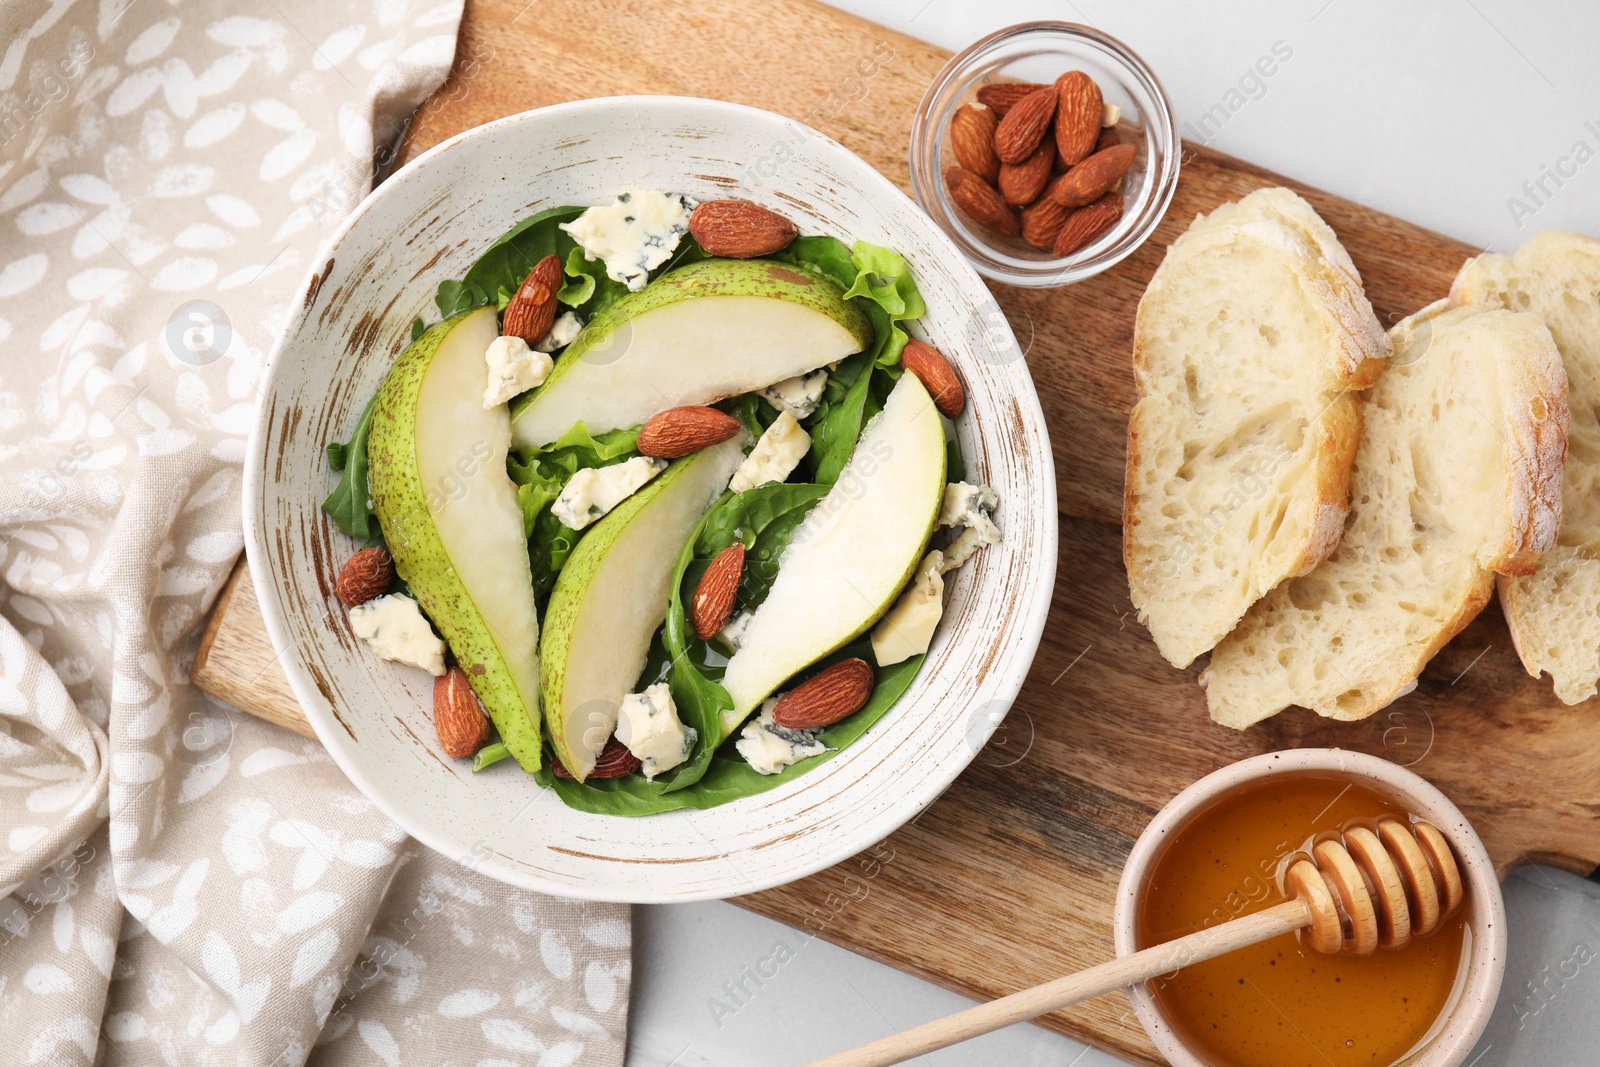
(1041, 221)
(972, 140)
(826, 697)
(1087, 223)
(739, 229)
(458, 714)
(1078, 113)
(1021, 183)
(713, 597)
(1092, 178)
(681, 431)
(532, 310)
(1001, 97)
(365, 575)
(1109, 138)
(979, 200)
(614, 761)
(1024, 126)
(937, 376)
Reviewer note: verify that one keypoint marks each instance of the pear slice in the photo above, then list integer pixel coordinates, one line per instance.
(851, 555)
(706, 331)
(436, 465)
(612, 596)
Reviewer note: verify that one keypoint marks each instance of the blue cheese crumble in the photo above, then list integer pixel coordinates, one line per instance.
(513, 368)
(799, 396)
(779, 451)
(732, 633)
(969, 508)
(592, 492)
(562, 332)
(634, 236)
(769, 748)
(648, 724)
(394, 627)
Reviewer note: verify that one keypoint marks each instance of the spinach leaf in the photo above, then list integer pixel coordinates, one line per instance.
(700, 700)
(955, 469)
(753, 413)
(748, 516)
(514, 253)
(834, 433)
(727, 776)
(764, 519)
(350, 503)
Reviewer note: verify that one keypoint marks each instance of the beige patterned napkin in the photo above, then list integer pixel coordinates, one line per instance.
(183, 884)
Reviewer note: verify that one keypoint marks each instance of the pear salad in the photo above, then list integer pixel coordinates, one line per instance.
(653, 501)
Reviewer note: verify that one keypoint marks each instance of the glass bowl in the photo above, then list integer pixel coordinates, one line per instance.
(1041, 52)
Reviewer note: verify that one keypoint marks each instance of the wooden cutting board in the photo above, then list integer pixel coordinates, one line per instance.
(1008, 879)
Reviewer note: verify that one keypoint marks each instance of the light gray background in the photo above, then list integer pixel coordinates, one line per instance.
(1437, 112)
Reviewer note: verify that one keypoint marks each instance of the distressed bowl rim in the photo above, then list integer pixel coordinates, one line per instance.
(810, 858)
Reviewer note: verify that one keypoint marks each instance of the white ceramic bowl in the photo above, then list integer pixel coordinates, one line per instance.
(429, 222)
(1477, 986)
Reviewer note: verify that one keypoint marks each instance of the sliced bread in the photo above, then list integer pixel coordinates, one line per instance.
(1248, 342)
(1458, 476)
(1554, 610)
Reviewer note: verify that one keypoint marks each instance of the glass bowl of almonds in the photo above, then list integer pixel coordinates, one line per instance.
(1048, 152)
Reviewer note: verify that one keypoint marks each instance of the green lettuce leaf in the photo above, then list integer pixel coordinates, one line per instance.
(541, 473)
(590, 287)
(884, 280)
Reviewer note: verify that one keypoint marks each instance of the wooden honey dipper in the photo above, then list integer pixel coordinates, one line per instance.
(1353, 893)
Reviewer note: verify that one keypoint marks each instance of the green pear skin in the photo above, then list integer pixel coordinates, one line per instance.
(437, 472)
(706, 331)
(612, 596)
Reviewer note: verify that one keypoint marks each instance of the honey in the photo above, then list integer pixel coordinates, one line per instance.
(1280, 1004)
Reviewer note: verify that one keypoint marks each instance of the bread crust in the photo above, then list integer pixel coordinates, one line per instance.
(1353, 347)
(1551, 265)
(1335, 666)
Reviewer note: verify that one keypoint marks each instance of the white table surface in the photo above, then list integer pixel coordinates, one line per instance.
(1438, 113)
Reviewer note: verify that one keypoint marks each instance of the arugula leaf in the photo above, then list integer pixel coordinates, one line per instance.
(350, 503)
(417, 327)
(454, 297)
(700, 700)
(489, 755)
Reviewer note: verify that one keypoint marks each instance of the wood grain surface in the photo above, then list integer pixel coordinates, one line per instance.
(1008, 880)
